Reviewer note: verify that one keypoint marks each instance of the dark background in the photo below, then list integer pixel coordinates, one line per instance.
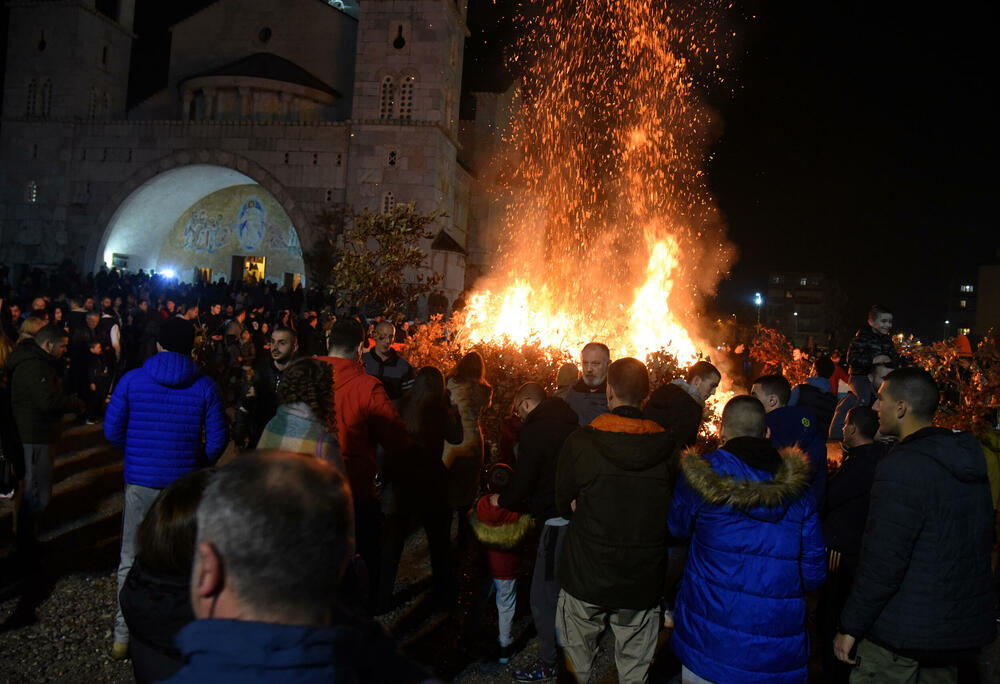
(858, 140)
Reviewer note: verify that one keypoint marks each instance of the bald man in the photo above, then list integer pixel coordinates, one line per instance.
(382, 362)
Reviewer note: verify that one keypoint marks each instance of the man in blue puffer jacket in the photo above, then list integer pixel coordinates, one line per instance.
(167, 418)
(756, 548)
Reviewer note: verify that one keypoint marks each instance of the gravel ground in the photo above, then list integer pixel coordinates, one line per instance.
(71, 640)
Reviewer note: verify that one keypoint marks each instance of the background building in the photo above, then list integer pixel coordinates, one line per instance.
(272, 113)
(805, 305)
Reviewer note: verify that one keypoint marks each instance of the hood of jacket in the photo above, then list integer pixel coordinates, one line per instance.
(765, 499)
(691, 391)
(25, 351)
(345, 371)
(822, 384)
(630, 443)
(957, 452)
(553, 409)
(171, 369)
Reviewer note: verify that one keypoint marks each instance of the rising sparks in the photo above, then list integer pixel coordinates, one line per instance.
(611, 233)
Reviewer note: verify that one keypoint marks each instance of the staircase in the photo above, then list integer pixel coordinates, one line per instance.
(81, 528)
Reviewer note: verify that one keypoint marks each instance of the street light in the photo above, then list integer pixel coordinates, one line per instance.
(946, 324)
(758, 300)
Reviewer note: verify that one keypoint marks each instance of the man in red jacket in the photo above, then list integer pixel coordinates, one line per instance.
(365, 418)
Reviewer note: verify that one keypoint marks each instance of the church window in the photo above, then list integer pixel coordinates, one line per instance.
(340, 159)
(265, 34)
(399, 42)
(315, 159)
(286, 157)
(393, 158)
(329, 195)
(104, 56)
(46, 97)
(387, 98)
(32, 192)
(29, 107)
(107, 104)
(34, 153)
(406, 98)
(41, 42)
(388, 202)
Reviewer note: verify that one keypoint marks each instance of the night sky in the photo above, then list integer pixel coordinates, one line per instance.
(858, 140)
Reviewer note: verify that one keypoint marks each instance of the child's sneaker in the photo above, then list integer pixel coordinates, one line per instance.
(539, 672)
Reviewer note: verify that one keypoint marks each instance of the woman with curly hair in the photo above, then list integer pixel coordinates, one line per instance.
(471, 394)
(305, 422)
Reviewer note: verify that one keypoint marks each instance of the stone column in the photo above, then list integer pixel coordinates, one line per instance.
(186, 104)
(246, 107)
(209, 102)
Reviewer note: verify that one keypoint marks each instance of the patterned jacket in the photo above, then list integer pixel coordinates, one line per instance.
(866, 345)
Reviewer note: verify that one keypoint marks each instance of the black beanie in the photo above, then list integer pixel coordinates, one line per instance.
(176, 335)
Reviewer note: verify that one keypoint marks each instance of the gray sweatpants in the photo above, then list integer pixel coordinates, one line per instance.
(545, 591)
(138, 500)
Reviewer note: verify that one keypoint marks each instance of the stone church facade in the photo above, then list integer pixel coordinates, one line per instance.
(273, 113)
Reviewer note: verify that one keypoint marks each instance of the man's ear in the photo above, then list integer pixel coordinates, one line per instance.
(207, 579)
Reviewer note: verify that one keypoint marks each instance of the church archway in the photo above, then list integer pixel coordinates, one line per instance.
(207, 214)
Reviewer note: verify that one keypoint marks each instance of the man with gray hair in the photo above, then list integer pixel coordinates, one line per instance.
(588, 396)
(274, 536)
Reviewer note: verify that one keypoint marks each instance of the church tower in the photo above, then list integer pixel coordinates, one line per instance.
(68, 60)
(408, 77)
(67, 64)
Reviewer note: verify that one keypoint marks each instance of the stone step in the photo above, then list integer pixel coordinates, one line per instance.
(79, 437)
(76, 496)
(71, 463)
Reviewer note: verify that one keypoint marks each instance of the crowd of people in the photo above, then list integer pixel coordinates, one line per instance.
(269, 563)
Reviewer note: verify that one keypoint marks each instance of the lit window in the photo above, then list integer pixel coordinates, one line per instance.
(803, 282)
(406, 98)
(962, 303)
(964, 331)
(387, 101)
(388, 202)
(967, 288)
(32, 192)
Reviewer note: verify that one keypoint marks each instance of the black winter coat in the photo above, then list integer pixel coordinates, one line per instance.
(924, 583)
(532, 489)
(156, 606)
(621, 472)
(675, 411)
(847, 496)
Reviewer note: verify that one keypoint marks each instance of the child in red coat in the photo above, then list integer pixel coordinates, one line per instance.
(501, 531)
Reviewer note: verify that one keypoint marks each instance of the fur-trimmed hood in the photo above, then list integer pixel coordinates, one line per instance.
(498, 528)
(723, 479)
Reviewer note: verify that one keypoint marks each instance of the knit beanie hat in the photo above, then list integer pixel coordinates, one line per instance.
(176, 335)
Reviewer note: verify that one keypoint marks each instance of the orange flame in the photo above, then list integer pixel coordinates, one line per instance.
(607, 145)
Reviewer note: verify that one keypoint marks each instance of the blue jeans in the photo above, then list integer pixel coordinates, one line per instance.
(506, 590)
(138, 500)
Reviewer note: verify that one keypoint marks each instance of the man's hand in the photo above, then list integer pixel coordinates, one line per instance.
(494, 500)
(842, 645)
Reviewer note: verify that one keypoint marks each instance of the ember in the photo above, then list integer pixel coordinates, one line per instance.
(611, 234)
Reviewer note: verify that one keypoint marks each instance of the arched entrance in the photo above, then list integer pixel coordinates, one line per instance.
(203, 220)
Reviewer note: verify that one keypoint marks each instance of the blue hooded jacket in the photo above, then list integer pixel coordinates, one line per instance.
(756, 548)
(797, 426)
(158, 416)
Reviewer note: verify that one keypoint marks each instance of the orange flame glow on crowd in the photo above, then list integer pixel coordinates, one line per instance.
(610, 231)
